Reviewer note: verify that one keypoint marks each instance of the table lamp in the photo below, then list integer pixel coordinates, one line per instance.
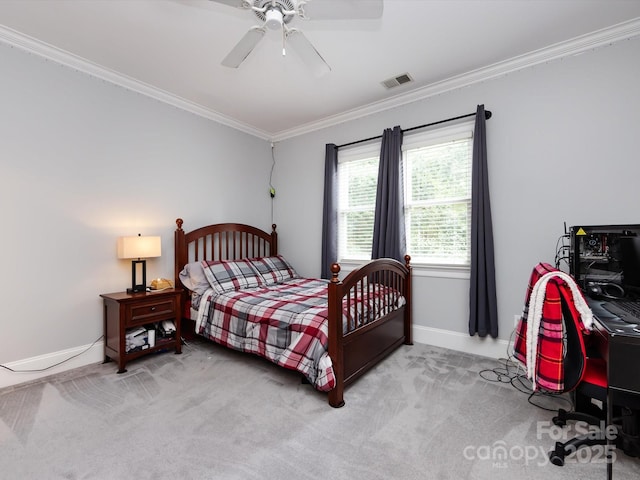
(138, 248)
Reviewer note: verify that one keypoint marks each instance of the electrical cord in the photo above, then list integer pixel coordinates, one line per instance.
(509, 370)
(55, 364)
(563, 251)
(512, 372)
(272, 191)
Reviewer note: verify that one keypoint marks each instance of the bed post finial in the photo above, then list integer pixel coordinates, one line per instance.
(273, 227)
(179, 223)
(407, 260)
(335, 270)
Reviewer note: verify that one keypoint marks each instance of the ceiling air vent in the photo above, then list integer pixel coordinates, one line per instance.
(398, 80)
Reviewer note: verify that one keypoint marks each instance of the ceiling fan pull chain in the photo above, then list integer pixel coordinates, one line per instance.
(284, 51)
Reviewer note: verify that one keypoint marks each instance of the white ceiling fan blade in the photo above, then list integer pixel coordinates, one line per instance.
(306, 51)
(231, 3)
(342, 9)
(244, 47)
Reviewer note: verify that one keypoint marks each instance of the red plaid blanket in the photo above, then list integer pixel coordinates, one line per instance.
(549, 369)
(285, 323)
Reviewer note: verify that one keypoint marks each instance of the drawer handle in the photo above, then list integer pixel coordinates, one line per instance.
(153, 309)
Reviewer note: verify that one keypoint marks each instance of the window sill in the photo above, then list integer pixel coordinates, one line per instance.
(439, 271)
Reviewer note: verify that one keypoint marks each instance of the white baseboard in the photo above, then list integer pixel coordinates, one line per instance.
(23, 369)
(463, 342)
(88, 354)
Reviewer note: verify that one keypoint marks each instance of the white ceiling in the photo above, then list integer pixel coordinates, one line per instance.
(172, 49)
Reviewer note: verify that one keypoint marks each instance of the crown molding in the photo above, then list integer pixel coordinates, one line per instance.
(62, 57)
(575, 46)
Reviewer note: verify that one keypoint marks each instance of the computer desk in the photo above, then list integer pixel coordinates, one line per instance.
(618, 343)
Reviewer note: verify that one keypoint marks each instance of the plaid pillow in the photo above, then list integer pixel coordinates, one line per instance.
(230, 275)
(274, 269)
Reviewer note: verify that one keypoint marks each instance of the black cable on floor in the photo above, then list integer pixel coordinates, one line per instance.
(511, 371)
(55, 364)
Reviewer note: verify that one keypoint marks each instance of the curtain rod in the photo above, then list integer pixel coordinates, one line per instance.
(487, 115)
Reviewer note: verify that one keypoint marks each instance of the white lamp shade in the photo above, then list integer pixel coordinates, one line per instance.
(139, 247)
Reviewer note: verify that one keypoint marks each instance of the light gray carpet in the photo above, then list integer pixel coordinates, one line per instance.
(211, 413)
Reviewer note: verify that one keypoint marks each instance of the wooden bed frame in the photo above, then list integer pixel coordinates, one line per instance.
(352, 353)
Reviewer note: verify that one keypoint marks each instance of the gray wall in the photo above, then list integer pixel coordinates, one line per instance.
(84, 161)
(562, 145)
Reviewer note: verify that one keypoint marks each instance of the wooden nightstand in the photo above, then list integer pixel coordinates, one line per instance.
(124, 312)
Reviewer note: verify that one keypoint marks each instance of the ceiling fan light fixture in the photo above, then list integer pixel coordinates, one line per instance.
(274, 19)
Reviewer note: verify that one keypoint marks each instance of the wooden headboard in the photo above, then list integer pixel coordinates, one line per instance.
(222, 241)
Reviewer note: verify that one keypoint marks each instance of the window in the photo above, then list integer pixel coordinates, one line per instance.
(437, 167)
(357, 183)
(437, 170)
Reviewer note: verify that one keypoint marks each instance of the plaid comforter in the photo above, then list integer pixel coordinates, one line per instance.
(284, 323)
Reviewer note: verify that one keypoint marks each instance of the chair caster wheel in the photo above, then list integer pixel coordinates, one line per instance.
(561, 419)
(556, 460)
(556, 456)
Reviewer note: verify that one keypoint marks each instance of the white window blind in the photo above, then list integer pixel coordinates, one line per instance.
(437, 167)
(437, 187)
(357, 183)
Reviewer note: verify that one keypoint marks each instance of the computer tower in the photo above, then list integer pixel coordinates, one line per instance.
(603, 259)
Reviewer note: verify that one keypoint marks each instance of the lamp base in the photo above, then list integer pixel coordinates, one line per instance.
(135, 286)
(137, 289)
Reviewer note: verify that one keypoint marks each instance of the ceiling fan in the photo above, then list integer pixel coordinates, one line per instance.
(277, 14)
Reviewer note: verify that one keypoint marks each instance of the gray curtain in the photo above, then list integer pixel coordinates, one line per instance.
(388, 228)
(483, 310)
(330, 211)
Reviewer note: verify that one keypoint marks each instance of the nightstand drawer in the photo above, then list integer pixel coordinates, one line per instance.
(141, 313)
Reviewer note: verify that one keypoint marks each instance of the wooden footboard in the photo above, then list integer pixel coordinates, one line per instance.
(359, 339)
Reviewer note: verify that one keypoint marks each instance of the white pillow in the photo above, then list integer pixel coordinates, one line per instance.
(192, 276)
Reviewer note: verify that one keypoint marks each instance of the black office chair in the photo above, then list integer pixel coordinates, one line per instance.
(582, 375)
(564, 366)
(585, 380)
